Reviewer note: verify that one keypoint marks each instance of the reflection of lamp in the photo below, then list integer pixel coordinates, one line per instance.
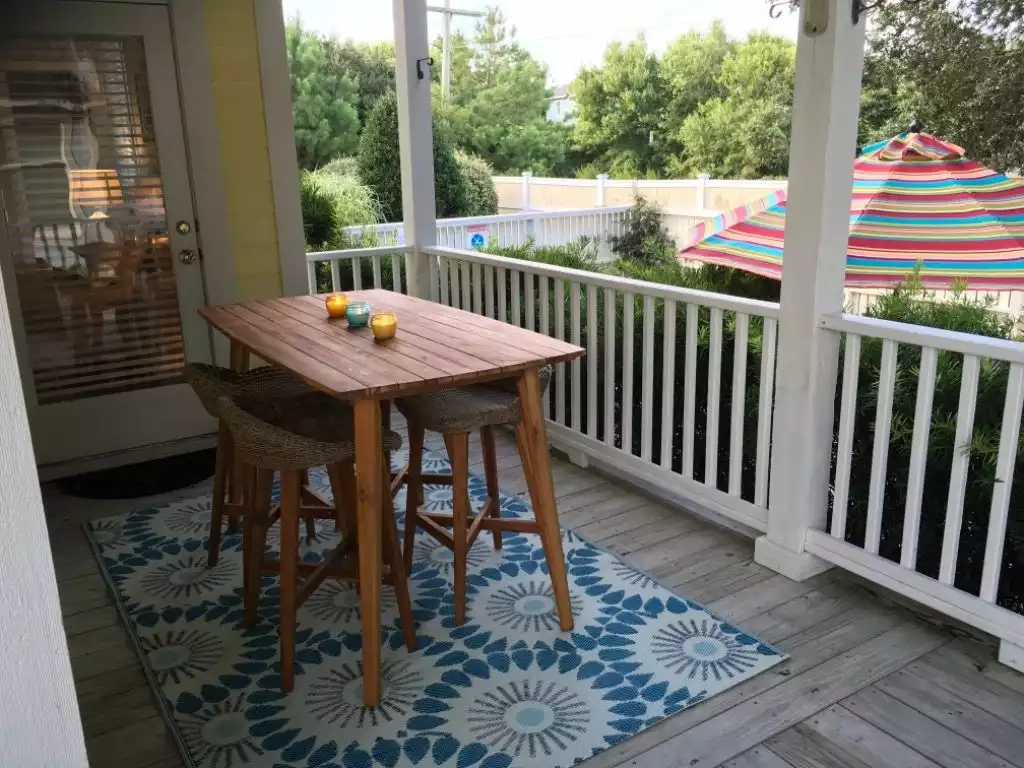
(95, 189)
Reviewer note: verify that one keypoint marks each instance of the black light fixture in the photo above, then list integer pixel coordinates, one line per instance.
(429, 61)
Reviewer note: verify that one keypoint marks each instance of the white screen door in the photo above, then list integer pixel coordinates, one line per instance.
(98, 241)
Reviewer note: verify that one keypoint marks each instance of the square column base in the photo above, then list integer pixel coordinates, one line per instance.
(798, 566)
(1011, 655)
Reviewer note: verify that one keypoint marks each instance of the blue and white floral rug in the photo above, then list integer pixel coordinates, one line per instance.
(505, 689)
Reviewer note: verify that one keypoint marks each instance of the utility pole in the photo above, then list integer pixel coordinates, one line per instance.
(446, 38)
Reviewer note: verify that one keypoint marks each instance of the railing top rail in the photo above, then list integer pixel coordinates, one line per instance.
(645, 183)
(625, 284)
(352, 253)
(498, 218)
(923, 336)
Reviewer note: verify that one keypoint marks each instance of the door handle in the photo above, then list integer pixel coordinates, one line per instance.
(186, 255)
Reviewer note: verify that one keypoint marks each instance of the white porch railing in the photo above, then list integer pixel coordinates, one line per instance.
(698, 442)
(654, 399)
(545, 228)
(931, 580)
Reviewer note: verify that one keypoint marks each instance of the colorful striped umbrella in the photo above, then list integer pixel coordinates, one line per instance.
(916, 201)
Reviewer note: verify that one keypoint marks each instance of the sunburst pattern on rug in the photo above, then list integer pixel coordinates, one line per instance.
(507, 688)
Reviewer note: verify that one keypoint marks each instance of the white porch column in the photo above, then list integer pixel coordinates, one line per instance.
(416, 138)
(527, 175)
(822, 149)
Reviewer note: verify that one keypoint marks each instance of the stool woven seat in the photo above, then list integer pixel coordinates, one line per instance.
(211, 382)
(463, 409)
(300, 432)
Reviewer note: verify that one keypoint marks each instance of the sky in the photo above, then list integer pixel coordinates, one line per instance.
(563, 34)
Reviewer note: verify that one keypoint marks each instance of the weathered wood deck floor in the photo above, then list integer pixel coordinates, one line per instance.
(867, 684)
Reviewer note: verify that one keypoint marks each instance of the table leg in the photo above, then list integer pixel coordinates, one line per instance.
(532, 436)
(239, 361)
(368, 530)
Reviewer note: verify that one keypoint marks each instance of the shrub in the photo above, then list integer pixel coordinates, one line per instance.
(380, 168)
(319, 217)
(342, 166)
(331, 202)
(579, 254)
(481, 194)
(645, 241)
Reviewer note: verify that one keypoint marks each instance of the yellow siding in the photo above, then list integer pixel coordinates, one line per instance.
(245, 163)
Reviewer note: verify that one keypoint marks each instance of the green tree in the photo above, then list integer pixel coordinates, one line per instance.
(619, 111)
(370, 65)
(745, 132)
(499, 99)
(323, 100)
(692, 67)
(965, 63)
(380, 167)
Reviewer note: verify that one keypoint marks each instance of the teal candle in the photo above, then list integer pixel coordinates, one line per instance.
(358, 314)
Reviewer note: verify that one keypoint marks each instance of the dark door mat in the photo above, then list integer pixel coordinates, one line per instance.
(146, 479)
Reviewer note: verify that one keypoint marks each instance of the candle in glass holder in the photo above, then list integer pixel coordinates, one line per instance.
(336, 303)
(358, 314)
(383, 325)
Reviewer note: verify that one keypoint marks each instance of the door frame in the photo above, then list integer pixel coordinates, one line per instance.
(202, 146)
(167, 416)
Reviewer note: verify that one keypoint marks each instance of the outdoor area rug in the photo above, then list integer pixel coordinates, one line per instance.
(507, 688)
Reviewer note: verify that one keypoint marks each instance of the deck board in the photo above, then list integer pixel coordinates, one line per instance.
(834, 699)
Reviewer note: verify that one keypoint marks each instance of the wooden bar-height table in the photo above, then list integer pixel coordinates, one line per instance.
(436, 347)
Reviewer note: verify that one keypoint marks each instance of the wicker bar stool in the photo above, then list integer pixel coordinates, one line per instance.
(455, 413)
(291, 437)
(210, 383)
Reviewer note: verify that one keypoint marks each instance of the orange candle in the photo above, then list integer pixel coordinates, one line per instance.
(384, 325)
(336, 303)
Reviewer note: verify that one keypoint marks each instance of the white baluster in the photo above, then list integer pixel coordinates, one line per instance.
(958, 472)
(690, 390)
(335, 275)
(467, 286)
(377, 280)
(574, 298)
(531, 308)
(489, 291)
(647, 382)
(880, 451)
(560, 333)
(714, 399)
(396, 271)
(443, 268)
(844, 451)
(764, 412)
(592, 361)
(668, 385)
(502, 295)
(610, 310)
(516, 318)
(918, 457)
(311, 276)
(628, 308)
(478, 290)
(357, 273)
(739, 387)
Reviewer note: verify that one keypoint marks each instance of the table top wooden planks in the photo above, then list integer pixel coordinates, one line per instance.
(436, 345)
